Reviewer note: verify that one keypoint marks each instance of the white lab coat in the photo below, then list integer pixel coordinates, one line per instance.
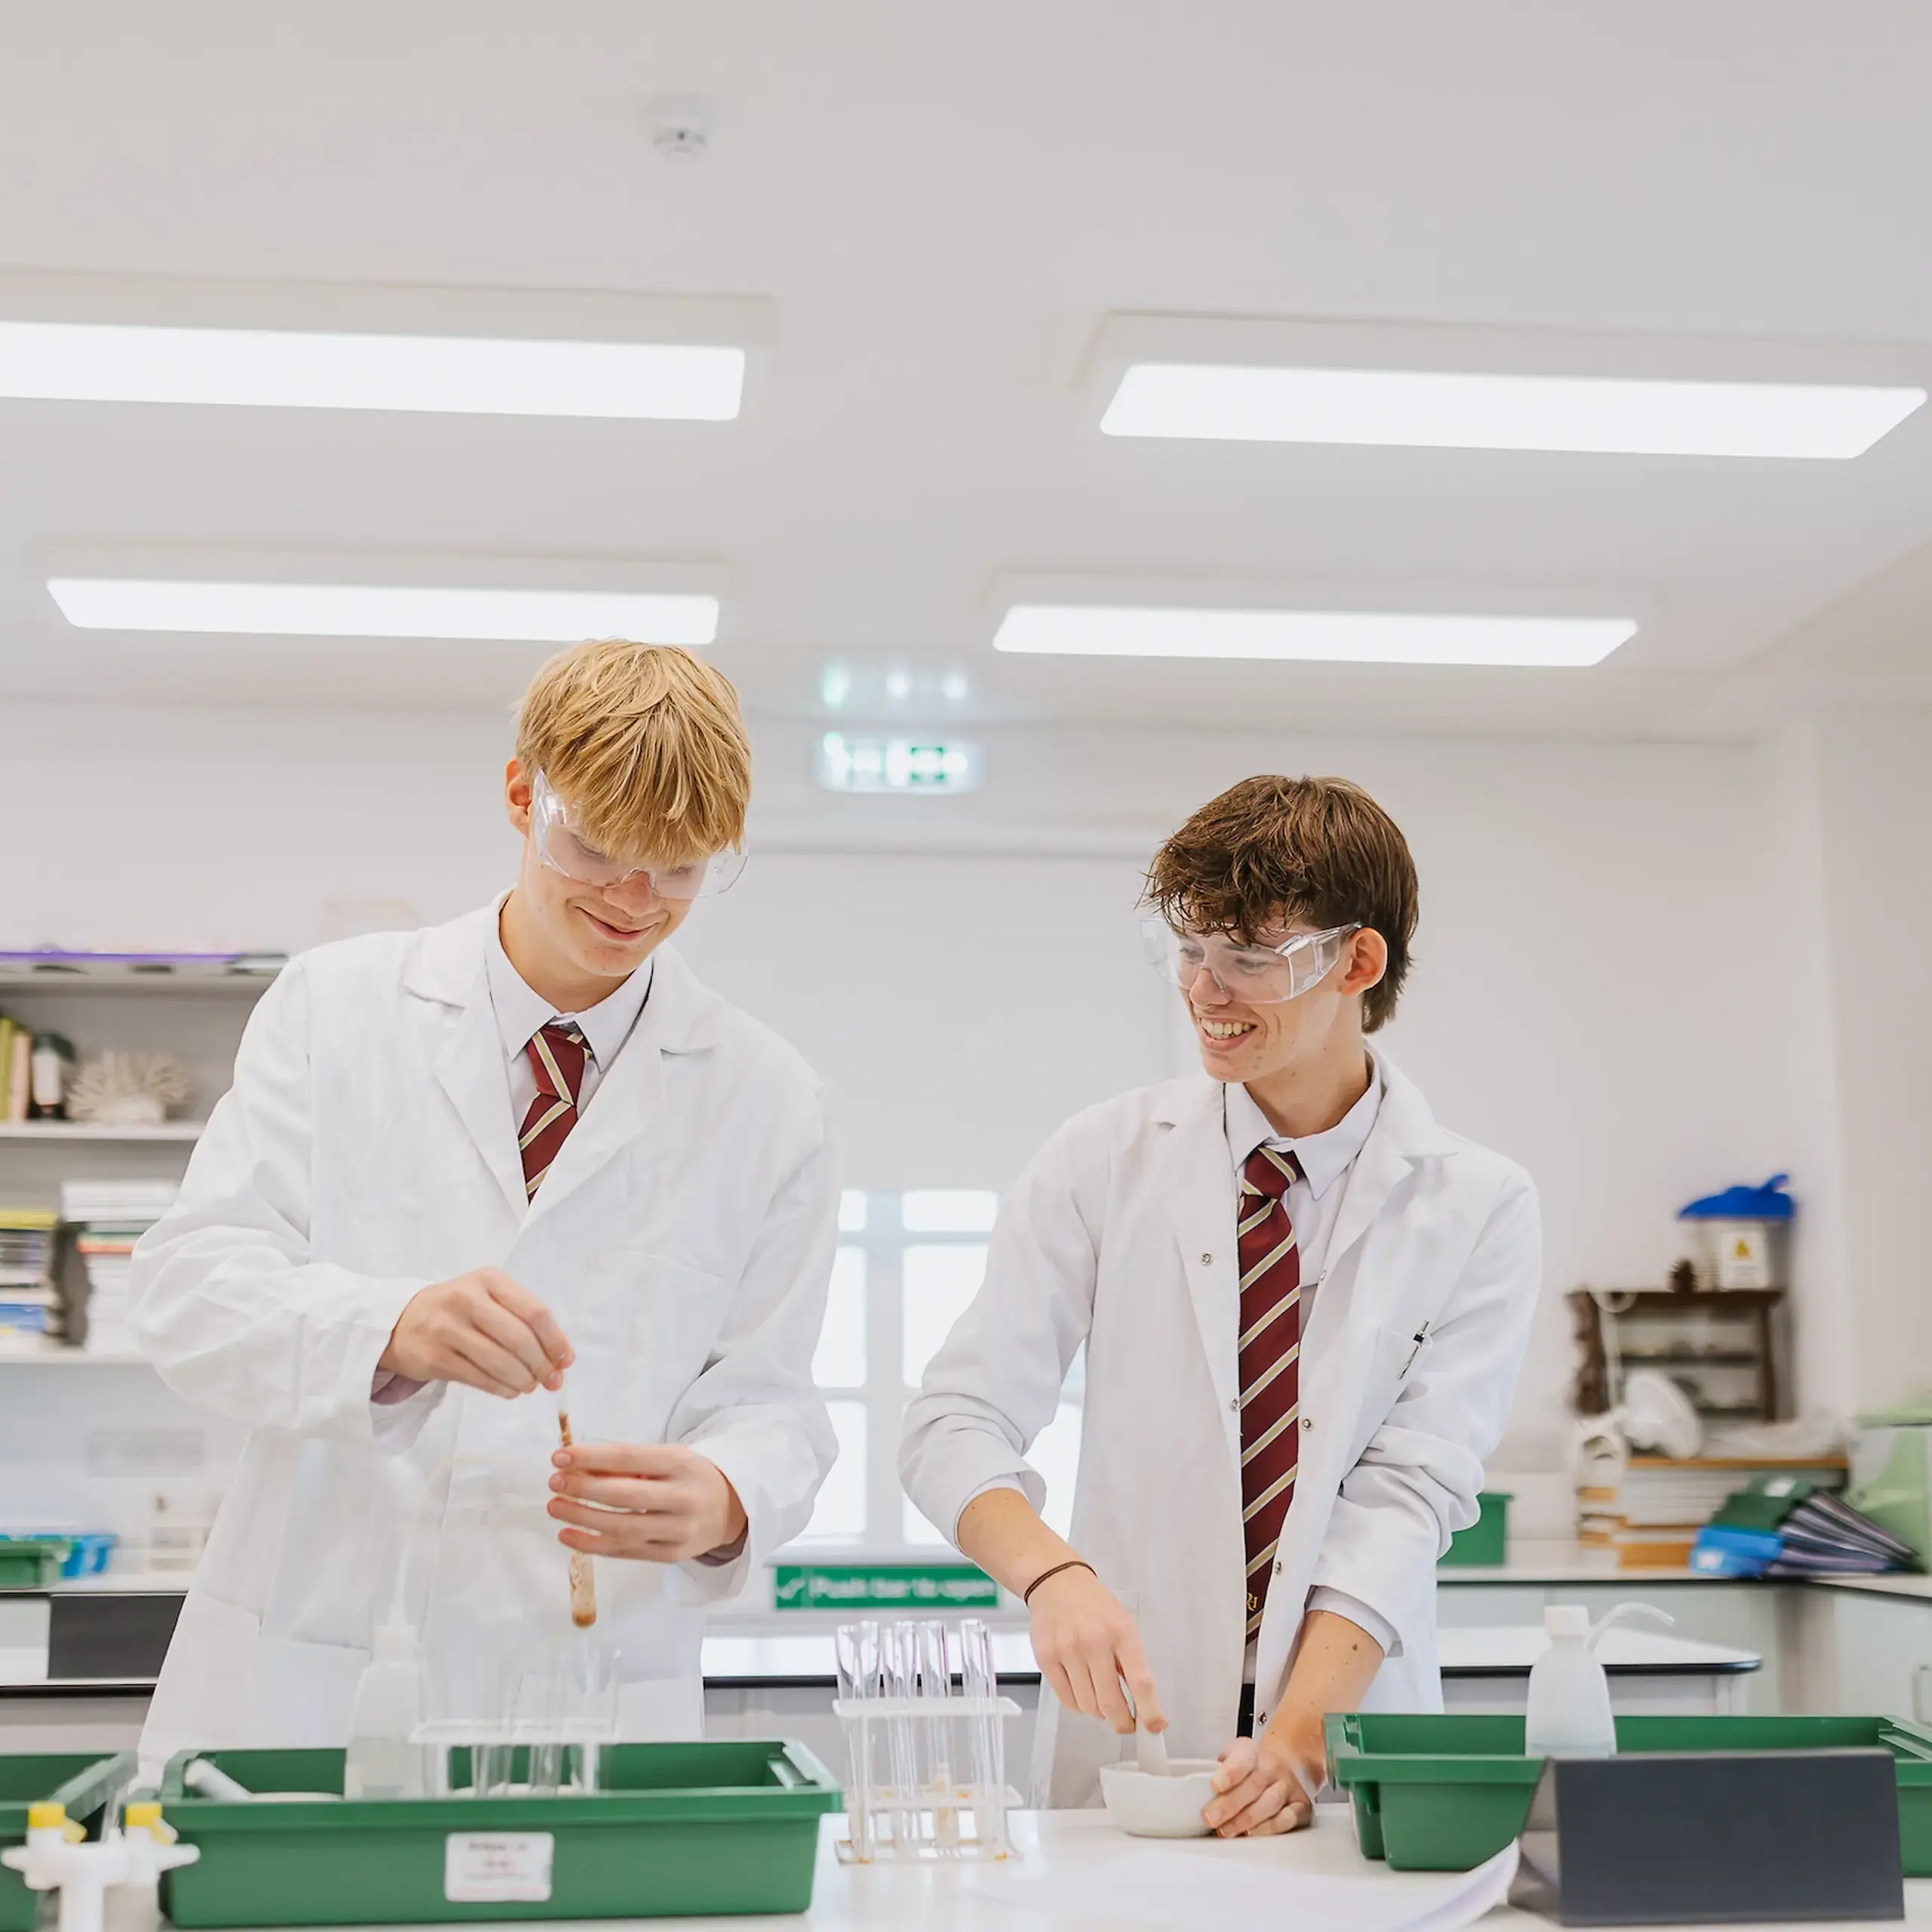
(1121, 1234)
(683, 1238)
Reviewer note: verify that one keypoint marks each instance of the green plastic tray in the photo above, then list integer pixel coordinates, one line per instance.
(86, 1784)
(672, 1830)
(1487, 1540)
(1441, 1794)
(31, 1563)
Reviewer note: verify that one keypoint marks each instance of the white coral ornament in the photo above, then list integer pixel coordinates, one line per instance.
(127, 1090)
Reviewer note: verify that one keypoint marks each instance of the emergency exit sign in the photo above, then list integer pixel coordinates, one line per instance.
(910, 1586)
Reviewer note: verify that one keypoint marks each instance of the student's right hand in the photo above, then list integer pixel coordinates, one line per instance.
(482, 1329)
(1088, 1645)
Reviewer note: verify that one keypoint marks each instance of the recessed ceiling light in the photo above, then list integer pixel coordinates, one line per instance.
(293, 369)
(1356, 637)
(351, 610)
(1428, 409)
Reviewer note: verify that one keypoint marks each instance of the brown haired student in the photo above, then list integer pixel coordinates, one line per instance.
(456, 1162)
(1304, 1305)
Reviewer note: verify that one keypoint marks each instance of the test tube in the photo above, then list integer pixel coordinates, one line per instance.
(856, 1646)
(977, 1680)
(901, 1675)
(935, 1682)
(583, 1584)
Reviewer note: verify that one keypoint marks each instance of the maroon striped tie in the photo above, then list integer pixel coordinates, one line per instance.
(1268, 1361)
(556, 1054)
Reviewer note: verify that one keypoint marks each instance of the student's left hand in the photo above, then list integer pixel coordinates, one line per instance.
(1263, 1785)
(655, 1501)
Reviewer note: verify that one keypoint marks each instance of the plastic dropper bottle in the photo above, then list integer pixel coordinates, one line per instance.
(1569, 1714)
(381, 1762)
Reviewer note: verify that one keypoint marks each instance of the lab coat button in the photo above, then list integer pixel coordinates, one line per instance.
(1308, 1422)
(1278, 1566)
(1206, 1261)
(1234, 1401)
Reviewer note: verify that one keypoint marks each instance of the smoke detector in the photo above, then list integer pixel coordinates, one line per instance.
(680, 125)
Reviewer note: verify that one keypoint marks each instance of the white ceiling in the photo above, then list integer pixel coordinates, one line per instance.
(943, 203)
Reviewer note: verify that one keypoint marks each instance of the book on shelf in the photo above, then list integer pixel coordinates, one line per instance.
(16, 1069)
(109, 1217)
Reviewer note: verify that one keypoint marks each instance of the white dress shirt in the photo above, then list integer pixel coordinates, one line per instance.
(1313, 1202)
(522, 1013)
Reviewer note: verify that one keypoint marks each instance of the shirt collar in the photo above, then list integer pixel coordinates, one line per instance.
(1324, 1157)
(521, 1011)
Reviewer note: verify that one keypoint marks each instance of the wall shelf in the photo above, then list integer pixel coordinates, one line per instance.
(138, 973)
(71, 1130)
(71, 1358)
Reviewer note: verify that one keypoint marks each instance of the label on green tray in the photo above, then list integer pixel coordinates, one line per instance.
(883, 1586)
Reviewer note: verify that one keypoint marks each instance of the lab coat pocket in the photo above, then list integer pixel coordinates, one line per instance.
(1394, 1357)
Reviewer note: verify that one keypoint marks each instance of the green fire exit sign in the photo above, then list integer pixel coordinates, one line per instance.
(909, 1586)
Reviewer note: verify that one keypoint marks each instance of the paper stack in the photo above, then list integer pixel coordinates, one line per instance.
(1649, 1509)
(30, 1311)
(110, 1217)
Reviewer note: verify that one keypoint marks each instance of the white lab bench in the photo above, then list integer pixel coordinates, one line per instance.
(1079, 1844)
(1860, 1644)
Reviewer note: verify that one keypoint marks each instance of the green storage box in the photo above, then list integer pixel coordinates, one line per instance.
(31, 1563)
(86, 1784)
(1487, 1539)
(672, 1830)
(1441, 1794)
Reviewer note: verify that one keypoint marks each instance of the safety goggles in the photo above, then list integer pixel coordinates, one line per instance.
(1256, 975)
(565, 849)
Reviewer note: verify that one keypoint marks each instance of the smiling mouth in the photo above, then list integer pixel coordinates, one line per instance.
(1223, 1030)
(618, 933)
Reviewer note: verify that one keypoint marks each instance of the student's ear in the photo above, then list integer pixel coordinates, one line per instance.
(1364, 963)
(516, 797)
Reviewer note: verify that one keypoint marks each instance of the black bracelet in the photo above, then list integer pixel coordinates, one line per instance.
(1072, 1563)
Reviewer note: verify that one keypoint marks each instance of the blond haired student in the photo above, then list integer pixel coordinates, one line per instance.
(457, 1163)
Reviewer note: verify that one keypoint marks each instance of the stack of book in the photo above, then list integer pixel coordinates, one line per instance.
(109, 1217)
(1776, 1527)
(31, 1316)
(1649, 1509)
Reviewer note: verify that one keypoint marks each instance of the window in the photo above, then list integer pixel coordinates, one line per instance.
(908, 1266)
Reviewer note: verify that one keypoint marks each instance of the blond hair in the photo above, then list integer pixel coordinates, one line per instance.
(644, 743)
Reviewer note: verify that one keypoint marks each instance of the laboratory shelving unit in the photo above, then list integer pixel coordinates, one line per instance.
(1727, 1349)
(193, 1005)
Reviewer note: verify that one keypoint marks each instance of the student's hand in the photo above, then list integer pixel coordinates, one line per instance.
(482, 1329)
(656, 1502)
(1263, 1784)
(1087, 1643)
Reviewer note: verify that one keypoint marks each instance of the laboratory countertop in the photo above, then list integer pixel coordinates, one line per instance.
(806, 1661)
(1075, 1872)
(1504, 1651)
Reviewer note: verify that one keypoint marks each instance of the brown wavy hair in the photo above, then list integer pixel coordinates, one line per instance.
(1319, 850)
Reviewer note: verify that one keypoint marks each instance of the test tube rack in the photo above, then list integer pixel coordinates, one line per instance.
(921, 1811)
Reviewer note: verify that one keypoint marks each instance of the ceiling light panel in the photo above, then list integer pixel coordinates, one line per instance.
(525, 615)
(1442, 410)
(289, 369)
(1348, 637)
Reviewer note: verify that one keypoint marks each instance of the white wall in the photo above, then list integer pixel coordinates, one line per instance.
(1858, 920)
(1594, 993)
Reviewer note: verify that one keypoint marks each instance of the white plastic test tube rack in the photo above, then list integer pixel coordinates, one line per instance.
(926, 1769)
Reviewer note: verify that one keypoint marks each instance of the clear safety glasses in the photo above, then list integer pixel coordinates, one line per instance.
(564, 850)
(1259, 975)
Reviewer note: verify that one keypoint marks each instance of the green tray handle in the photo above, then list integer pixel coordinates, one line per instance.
(795, 1767)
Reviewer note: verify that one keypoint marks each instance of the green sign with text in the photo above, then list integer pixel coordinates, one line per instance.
(929, 1587)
